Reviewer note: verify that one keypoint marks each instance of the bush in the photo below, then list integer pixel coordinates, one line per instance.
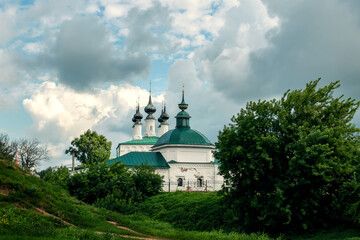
(59, 177)
(114, 186)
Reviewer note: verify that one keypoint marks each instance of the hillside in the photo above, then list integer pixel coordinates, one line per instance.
(36, 209)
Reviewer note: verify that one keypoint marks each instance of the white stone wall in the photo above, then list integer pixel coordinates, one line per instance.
(150, 128)
(137, 131)
(163, 128)
(124, 149)
(187, 154)
(190, 173)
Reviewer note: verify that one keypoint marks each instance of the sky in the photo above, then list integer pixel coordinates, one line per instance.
(68, 66)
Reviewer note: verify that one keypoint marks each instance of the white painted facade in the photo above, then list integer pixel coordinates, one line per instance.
(163, 128)
(137, 131)
(124, 149)
(194, 176)
(150, 128)
(186, 153)
(191, 167)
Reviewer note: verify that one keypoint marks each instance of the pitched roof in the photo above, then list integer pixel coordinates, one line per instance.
(133, 159)
(144, 140)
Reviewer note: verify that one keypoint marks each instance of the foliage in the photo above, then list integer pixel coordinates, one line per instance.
(287, 160)
(90, 148)
(26, 222)
(114, 186)
(44, 172)
(161, 229)
(146, 181)
(188, 210)
(18, 206)
(59, 177)
(6, 149)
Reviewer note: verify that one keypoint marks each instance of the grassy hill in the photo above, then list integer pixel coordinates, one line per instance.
(31, 208)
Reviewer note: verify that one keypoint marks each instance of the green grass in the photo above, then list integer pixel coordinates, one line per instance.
(188, 210)
(166, 230)
(24, 193)
(344, 234)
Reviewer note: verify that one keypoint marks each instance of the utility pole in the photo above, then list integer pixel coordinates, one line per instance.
(73, 161)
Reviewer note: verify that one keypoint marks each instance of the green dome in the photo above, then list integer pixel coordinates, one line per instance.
(183, 136)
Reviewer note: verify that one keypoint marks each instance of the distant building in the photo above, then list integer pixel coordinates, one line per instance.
(183, 156)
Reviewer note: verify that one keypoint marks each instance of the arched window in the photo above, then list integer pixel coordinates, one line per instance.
(180, 182)
(199, 182)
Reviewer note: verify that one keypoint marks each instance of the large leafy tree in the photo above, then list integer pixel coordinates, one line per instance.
(90, 148)
(288, 160)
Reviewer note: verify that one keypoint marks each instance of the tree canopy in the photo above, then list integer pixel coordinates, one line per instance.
(90, 148)
(289, 161)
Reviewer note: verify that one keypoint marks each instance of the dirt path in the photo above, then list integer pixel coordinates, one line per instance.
(41, 211)
(49, 214)
(4, 191)
(125, 228)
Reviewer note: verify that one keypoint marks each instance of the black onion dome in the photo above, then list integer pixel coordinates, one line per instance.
(138, 115)
(133, 119)
(150, 109)
(164, 115)
(183, 106)
(160, 119)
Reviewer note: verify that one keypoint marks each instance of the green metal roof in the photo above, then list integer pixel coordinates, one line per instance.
(183, 136)
(133, 159)
(144, 140)
(183, 114)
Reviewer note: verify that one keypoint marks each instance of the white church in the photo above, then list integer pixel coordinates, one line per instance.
(183, 156)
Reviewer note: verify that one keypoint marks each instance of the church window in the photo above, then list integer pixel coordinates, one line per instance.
(150, 128)
(199, 182)
(180, 182)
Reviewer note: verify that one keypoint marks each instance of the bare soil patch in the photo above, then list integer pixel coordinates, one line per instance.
(4, 191)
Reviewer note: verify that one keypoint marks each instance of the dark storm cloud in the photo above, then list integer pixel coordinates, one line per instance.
(84, 57)
(316, 39)
(146, 28)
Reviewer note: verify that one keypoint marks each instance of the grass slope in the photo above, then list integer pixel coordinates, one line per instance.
(25, 198)
(200, 211)
(203, 211)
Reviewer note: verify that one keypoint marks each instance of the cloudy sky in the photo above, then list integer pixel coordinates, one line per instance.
(68, 66)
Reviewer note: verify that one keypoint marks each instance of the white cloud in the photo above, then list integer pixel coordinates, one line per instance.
(59, 113)
(34, 47)
(7, 24)
(209, 108)
(10, 72)
(225, 61)
(119, 10)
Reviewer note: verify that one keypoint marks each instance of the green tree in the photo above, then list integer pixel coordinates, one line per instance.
(99, 180)
(146, 181)
(6, 149)
(90, 148)
(288, 160)
(59, 177)
(114, 186)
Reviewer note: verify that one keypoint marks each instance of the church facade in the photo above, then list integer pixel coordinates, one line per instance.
(183, 156)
